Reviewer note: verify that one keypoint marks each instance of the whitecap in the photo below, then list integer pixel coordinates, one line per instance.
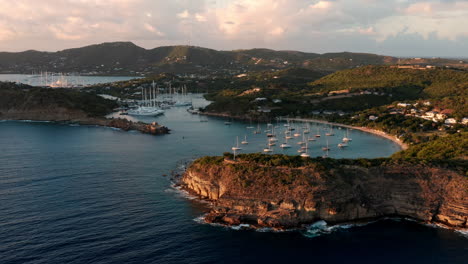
(463, 232)
(241, 226)
(321, 227)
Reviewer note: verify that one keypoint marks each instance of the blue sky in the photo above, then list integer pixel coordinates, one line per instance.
(392, 27)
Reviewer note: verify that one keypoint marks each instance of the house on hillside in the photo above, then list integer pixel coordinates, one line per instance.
(450, 121)
(345, 91)
(403, 105)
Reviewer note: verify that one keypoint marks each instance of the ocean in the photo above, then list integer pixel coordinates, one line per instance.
(85, 194)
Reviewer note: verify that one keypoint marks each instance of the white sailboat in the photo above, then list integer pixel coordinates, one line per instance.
(148, 106)
(318, 133)
(182, 98)
(347, 138)
(268, 149)
(326, 148)
(285, 145)
(258, 130)
(245, 142)
(305, 154)
(271, 143)
(250, 126)
(237, 148)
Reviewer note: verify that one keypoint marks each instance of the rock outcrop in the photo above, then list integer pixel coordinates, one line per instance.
(63, 115)
(281, 197)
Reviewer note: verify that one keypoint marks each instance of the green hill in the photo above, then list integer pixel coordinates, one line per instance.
(128, 58)
(412, 83)
(22, 98)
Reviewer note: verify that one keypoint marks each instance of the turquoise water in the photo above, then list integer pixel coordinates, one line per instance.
(80, 194)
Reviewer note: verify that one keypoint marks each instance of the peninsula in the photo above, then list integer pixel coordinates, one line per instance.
(427, 182)
(22, 102)
(290, 192)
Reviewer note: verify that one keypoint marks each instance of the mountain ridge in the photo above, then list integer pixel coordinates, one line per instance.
(117, 58)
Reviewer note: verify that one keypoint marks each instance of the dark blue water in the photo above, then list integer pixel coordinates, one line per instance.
(96, 195)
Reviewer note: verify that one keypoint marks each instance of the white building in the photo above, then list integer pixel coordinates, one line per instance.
(450, 121)
(403, 104)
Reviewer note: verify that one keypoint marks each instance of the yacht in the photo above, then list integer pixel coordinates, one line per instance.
(236, 148)
(245, 142)
(148, 106)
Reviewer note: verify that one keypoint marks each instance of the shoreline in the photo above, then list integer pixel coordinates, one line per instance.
(118, 123)
(376, 132)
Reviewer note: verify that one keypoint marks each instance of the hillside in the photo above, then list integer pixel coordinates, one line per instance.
(127, 58)
(432, 83)
(283, 191)
(25, 102)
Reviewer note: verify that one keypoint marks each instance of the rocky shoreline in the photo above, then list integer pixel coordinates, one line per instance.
(77, 117)
(284, 198)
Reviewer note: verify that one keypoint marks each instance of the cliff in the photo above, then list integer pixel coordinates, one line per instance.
(246, 192)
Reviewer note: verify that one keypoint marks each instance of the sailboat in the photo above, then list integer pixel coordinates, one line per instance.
(303, 140)
(258, 131)
(182, 101)
(305, 154)
(330, 133)
(326, 148)
(318, 133)
(272, 133)
(271, 143)
(285, 145)
(148, 107)
(268, 149)
(236, 148)
(250, 126)
(245, 142)
(347, 138)
(307, 129)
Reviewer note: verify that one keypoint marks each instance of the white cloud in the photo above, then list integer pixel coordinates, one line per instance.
(312, 25)
(184, 14)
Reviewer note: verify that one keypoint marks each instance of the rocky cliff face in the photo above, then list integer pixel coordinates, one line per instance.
(289, 197)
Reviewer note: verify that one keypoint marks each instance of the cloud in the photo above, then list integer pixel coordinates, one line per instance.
(310, 25)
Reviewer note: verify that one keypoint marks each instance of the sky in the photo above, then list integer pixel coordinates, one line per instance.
(414, 28)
